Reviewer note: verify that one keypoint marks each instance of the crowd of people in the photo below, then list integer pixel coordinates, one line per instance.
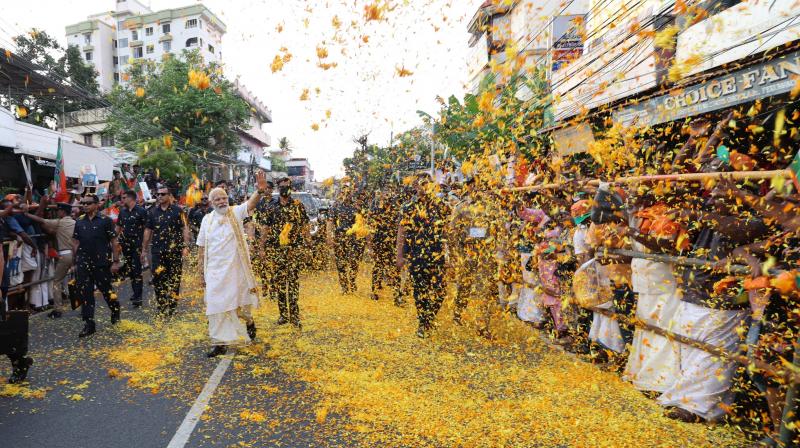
(576, 260)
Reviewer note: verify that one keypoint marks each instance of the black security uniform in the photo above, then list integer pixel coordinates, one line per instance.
(132, 222)
(424, 221)
(93, 263)
(348, 247)
(384, 219)
(166, 258)
(286, 280)
(265, 246)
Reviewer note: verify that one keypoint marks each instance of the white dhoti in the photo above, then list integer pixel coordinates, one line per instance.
(227, 328)
(705, 379)
(654, 361)
(605, 330)
(528, 306)
(230, 285)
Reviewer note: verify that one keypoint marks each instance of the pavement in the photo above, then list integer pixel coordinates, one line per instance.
(83, 406)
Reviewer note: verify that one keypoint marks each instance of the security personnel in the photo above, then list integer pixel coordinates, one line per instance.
(197, 213)
(288, 224)
(168, 229)
(264, 247)
(472, 253)
(383, 220)
(421, 241)
(348, 248)
(94, 240)
(130, 228)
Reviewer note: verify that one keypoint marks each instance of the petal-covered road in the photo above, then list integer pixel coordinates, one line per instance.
(355, 376)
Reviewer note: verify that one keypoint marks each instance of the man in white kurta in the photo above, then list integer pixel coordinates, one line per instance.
(230, 292)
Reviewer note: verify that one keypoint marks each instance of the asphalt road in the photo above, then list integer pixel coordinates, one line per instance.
(112, 414)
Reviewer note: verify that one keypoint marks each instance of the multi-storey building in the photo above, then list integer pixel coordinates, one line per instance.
(531, 32)
(111, 41)
(300, 172)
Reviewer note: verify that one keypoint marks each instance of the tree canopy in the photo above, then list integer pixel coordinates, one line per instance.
(65, 66)
(182, 99)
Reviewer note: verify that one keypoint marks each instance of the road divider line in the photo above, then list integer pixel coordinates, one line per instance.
(181, 437)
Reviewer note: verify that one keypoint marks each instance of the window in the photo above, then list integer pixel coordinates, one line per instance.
(150, 49)
(201, 41)
(116, 60)
(210, 48)
(148, 31)
(165, 28)
(137, 52)
(116, 77)
(120, 24)
(87, 38)
(106, 140)
(123, 60)
(123, 43)
(134, 35)
(88, 55)
(115, 42)
(191, 23)
(167, 46)
(87, 139)
(191, 42)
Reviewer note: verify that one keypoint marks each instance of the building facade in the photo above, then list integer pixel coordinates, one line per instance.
(301, 174)
(111, 41)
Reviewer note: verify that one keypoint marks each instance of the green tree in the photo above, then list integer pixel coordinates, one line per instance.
(182, 99)
(498, 116)
(63, 66)
(170, 165)
(285, 146)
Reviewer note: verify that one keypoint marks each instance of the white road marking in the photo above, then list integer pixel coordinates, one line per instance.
(181, 437)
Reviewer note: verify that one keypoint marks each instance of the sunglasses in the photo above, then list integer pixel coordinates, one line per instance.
(162, 194)
(87, 203)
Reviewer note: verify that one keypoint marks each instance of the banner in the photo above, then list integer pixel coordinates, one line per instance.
(60, 177)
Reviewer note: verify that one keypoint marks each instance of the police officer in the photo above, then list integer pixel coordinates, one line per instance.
(348, 248)
(288, 224)
(421, 242)
(94, 240)
(130, 228)
(168, 229)
(383, 219)
(265, 246)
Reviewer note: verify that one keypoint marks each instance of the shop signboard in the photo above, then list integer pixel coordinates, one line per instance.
(568, 40)
(773, 77)
(573, 139)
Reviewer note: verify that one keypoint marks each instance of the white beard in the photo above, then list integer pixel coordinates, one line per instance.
(221, 211)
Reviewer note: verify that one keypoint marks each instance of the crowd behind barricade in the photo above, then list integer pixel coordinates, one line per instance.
(688, 290)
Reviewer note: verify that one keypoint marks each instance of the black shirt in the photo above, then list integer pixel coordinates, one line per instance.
(278, 215)
(424, 222)
(384, 220)
(132, 223)
(261, 219)
(344, 217)
(196, 215)
(94, 236)
(167, 226)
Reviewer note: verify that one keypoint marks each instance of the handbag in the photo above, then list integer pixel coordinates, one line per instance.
(591, 286)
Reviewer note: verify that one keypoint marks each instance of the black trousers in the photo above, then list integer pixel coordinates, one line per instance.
(133, 270)
(264, 264)
(384, 271)
(348, 253)
(625, 303)
(88, 277)
(287, 283)
(427, 281)
(167, 267)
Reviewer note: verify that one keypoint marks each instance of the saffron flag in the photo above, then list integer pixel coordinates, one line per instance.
(60, 177)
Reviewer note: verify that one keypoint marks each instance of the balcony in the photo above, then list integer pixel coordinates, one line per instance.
(165, 37)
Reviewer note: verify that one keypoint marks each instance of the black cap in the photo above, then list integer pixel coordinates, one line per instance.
(63, 206)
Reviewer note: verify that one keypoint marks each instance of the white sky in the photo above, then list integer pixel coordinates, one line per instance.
(363, 93)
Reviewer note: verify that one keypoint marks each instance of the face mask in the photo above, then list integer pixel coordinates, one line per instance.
(284, 191)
